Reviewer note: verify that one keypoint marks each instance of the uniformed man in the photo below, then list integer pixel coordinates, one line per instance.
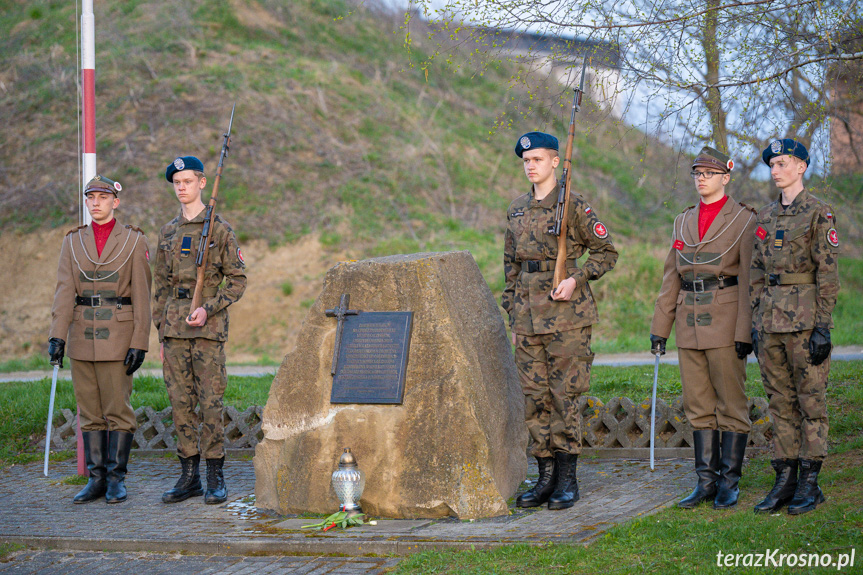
(705, 294)
(193, 340)
(551, 328)
(102, 308)
(793, 287)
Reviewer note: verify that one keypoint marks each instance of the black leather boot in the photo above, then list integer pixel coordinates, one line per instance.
(783, 487)
(119, 446)
(216, 490)
(808, 495)
(95, 450)
(189, 483)
(730, 469)
(566, 488)
(544, 485)
(706, 447)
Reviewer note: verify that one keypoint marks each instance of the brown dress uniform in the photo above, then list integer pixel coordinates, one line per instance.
(102, 309)
(194, 365)
(794, 284)
(705, 295)
(553, 353)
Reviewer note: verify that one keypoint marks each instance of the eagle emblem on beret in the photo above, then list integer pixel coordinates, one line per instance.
(179, 163)
(525, 142)
(775, 146)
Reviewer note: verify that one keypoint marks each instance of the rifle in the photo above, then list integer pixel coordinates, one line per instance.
(559, 227)
(204, 245)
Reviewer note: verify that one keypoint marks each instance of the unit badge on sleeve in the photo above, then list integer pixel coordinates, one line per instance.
(600, 231)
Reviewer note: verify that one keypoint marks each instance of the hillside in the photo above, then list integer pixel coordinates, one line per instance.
(341, 150)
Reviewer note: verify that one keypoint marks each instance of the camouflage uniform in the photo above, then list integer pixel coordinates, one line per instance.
(553, 353)
(793, 287)
(194, 365)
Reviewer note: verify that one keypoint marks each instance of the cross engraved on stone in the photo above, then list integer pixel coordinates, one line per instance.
(340, 313)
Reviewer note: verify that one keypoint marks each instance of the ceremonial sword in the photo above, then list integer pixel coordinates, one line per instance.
(653, 409)
(56, 364)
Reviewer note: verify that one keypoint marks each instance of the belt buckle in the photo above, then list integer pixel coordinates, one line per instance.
(96, 300)
(698, 286)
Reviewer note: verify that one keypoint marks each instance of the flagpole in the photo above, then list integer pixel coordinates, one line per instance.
(88, 154)
(88, 84)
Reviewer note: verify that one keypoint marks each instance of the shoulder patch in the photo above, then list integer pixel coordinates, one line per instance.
(599, 230)
(833, 237)
(70, 232)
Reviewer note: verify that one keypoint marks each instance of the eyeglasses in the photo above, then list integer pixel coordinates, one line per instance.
(705, 175)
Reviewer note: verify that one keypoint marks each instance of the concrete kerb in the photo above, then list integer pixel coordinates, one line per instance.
(254, 547)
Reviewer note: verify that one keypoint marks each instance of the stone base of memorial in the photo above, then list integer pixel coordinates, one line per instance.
(454, 446)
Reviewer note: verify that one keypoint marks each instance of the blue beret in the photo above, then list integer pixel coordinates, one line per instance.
(183, 163)
(533, 140)
(785, 146)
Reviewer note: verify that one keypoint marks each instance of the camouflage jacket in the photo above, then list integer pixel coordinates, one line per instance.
(175, 270)
(712, 317)
(795, 275)
(99, 330)
(526, 295)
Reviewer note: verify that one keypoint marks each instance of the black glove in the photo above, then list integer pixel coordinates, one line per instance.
(754, 335)
(742, 349)
(657, 344)
(819, 345)
(134, 359)
(56, 347)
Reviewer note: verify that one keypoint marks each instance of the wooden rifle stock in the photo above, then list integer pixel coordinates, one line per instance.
(564, 188)
(204, 245)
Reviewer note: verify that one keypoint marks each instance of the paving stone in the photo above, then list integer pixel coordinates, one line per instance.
(191, 537)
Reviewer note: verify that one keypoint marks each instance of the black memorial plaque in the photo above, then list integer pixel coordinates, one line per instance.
(373, 358)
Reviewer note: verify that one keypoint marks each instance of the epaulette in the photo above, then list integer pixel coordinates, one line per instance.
(748, 207)
(687, 209)
(70, 232)
(135, 228)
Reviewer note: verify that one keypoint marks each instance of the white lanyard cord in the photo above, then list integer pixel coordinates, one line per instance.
(88, 278)
(683, 257)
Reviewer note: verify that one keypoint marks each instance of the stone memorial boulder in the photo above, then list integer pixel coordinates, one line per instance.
(456, 444)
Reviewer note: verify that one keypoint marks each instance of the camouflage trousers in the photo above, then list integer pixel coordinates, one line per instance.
(195, 374)
(796, 390)
(554, 369)
(102, 391)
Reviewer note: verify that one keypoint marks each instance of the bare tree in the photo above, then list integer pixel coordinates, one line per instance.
(735, 73)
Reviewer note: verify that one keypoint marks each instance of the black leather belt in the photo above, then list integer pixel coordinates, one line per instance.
(789, 279)
(183, 293)
(98, 301)
(533, 266)
(711, 284)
